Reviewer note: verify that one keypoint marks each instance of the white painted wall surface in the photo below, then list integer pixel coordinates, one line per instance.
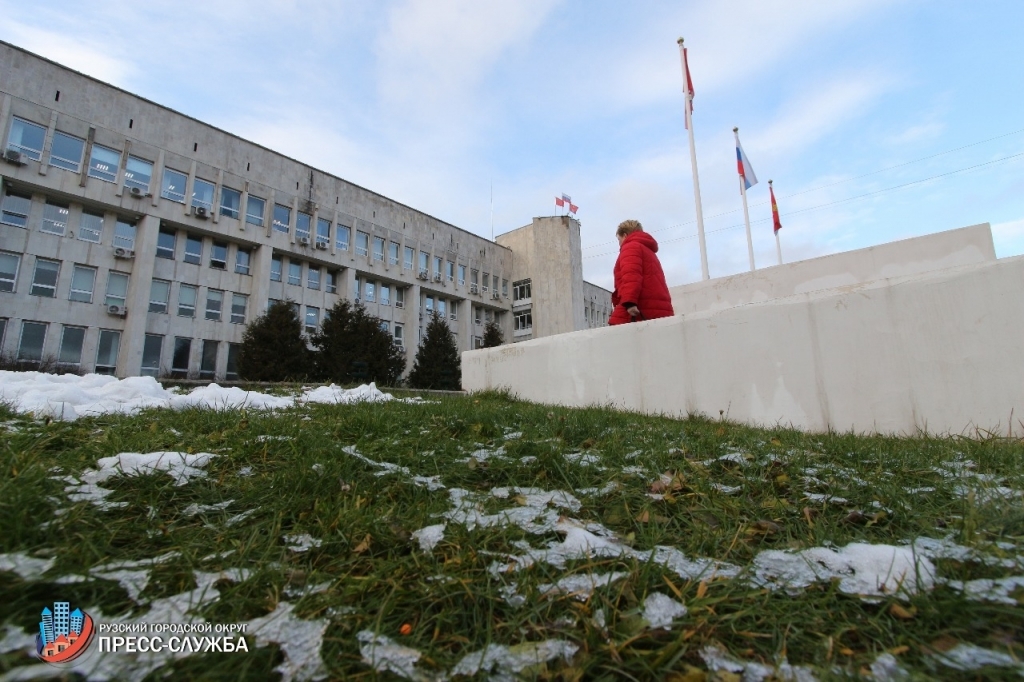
(940, 351)
(905, 257)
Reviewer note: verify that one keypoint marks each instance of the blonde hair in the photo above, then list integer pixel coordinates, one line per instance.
(627, 227)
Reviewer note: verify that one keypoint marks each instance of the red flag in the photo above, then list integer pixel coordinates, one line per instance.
(688, 86)
(573, 207)
(775, 210)
(559, 201)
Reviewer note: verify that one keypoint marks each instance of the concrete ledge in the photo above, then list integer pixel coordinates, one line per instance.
(938, 352)
(963, 246)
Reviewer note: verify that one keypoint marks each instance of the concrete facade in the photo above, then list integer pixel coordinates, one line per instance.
(135, 233)
(549, 295)
(935, 351)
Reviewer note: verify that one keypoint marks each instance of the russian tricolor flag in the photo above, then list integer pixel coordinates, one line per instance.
(743, 166)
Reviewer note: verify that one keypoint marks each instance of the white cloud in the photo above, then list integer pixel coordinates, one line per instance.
(99, 60)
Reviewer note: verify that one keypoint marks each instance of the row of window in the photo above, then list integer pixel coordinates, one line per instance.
(181, 357)
(313, 274)
(66, 152)
(46, 273)
(72, 341)
(188, 296)
(167, 247)
(14, 210)
(368, 291)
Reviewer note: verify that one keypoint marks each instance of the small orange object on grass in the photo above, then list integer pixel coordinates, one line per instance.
(406, 629)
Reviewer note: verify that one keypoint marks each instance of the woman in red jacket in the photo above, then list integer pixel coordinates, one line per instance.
(640, 289)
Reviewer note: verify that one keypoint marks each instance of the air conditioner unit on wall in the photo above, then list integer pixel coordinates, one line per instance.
(304, 241)
(496, 295)
(14, 156)
(322, 245)
(437, 277)
(422, 275)
(472, 288)
(121, 252)
(135, 191)
(118, 310)
(399, 304)
(201, 212)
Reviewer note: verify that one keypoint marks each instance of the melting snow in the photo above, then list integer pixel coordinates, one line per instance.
(27, 567)
(509, 661)
(384, 655)
(429, 537)
(660, 610)
(581, 586)
(301, 543)
(971, 657)
(181, 466)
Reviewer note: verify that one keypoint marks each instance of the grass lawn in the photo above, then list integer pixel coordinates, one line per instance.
(486, 536)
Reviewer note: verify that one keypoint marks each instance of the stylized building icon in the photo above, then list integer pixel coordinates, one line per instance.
(63, 634)
(46, 626)
(76, 621)
(61, 624)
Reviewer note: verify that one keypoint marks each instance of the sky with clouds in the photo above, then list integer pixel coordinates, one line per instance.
(876, 119)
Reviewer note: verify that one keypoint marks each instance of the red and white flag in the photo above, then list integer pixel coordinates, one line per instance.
(688, 86)
(775, 211)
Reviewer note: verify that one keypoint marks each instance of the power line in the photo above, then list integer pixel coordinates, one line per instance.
(839, 201)
(831, 184)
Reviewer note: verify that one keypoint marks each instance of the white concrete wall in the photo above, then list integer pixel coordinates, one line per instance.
(939, 351)
(905, 257)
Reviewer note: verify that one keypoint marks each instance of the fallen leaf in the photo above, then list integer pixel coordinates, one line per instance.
(846, 651)
(765, 526)
(702, 589)
(897, 651)
(944, 643)
(644, 517)
(776, 441)
(855, 517)
(364, 545)
(902, 613)
(809, 515)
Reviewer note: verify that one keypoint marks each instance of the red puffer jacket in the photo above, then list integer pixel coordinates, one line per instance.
(639, 280)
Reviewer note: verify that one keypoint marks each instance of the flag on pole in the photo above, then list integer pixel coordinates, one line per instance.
(559, 202)
(775, 209)
(573, 207)
(688, 86)
(743, 166)
(566, 198)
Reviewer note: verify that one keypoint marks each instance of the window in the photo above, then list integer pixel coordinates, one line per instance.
(454, 310)
(214, 303)
(159, 295)
(90, 227)
(462, 275)
(521, 290)
(117, 289)
(138, 173)
(231, 371)
(208, 359)
(442, 308)
(323, 231)
(27, 138)
(186, 300)
(151, 349)
(8, 270)
(242, 259)
(486, 283)
(385, 294)
(341, 237)
(295, 273)
(106, 353)
(362, 243)
(378, 249)
(83, 281)
(230, 202)
(180, 357)
(302, 223)
(165, 244)
(124, 234)
(104, 162)
(331, 285)
(44, 279)
(393, 253)
(476, 314)
(407, 262)
(524, 321)
(238, 304)
(193, 249)
(430, 305)
(30, 348)
(399, 297)
(15, 209)
(357, 289)
(437, 266)
(275, 269)
(368, 292)
(312, 319)
(202, 194)
(55, 218)
(219, 256)
(66, 151)
(71, 341)
(399, 335)
(473, 277)
(254, 207)
(488, 315)
(174, 185)
(385, 326)
(424, 262)
(313, 277)
(450, 271)
(282, 218)
(504, 288)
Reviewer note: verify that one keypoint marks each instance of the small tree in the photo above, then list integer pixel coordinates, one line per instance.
(352, 346)
(273, 348)
(492, 335)
(438, 363)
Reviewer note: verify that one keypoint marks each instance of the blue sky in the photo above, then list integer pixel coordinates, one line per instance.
(431, 102)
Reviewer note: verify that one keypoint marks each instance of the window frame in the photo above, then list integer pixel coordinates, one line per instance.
(227, 210)
(112, 349)
(41, 285)
(11, 209)
(30, 152)
(164, 250)
(155, 304)
(109, 295)
(213, 314)
(240, 267)
(129, 174)
(64, 346)
(151, 370)
(193, 257)
(236, 316)
(253, 218)
(64, 162)
(83, 229)
(168, 188)
(182, 305)
(21, 356)
(85, 295)
(362, 243)
(209, 190)
(105, 170)
(342, 237)
(14, 275)
(222, 262)
(282, 221)
(276, 275)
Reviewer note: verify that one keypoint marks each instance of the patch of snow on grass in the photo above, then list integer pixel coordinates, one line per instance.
(194, 509)
(718, 659)
(301, 543)
(972, 657)
(509, 661)
(660, 610)
(384, 655)
(16, 640)
(25, 566)
(581, 586)
(429, 536)
(300, 641)
(181, 466)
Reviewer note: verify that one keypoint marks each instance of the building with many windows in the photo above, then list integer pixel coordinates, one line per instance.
(137, 240)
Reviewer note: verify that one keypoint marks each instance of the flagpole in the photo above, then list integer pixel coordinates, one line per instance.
(687, 107)
(492, 210)
(746, 213)
(778, 245)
